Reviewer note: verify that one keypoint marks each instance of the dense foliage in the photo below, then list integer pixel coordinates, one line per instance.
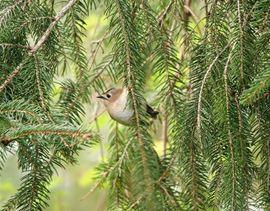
(211, 74)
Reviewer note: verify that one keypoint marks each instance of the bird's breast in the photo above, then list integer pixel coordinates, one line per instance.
(120, 111)
(122, 116)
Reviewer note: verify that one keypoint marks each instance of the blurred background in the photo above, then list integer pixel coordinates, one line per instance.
(71, 188)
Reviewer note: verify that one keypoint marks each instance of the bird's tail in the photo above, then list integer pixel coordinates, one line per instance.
(151, 112)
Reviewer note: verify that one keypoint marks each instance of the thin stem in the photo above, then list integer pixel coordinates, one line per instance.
(11, 76)
(229, 133)
(241, 40)
(199, 107)
(165, 132)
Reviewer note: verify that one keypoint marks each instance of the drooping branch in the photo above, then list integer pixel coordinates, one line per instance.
(11, 76)
(6, 140)
(198, 121)
(229, 134)
(46, 34)
(5, 13)
(40, 42)
(131, 88)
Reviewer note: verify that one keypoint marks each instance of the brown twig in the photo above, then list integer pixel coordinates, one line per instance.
(48, 132)
(262, 27)
(12, 45)
(162, 15)
(186, 15)
(263, 96)
(165, 133)
(11, 76)
(167, 170)
(4, 13)
(104, 175)
(40, 42)
(46, 34)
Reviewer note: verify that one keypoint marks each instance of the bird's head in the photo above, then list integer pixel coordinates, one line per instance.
(110, 96)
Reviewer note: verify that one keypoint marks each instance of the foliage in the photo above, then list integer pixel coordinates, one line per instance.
(38, 130)
(211, 74)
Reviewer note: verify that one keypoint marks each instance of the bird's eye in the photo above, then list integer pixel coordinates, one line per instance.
(108, 96)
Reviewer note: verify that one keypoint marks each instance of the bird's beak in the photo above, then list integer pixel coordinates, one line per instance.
(101, 97)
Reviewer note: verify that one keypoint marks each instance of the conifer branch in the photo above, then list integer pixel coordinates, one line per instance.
(11, 76)
(41, 95)
(12, 45)
(40, 42)
(105, 175)
(21, 111)
(99, 45)
(165, 133)
(241, 40)
(46, 34)
(199, 107)
(163, 14)
(262, 27)
(214, 90)
(5, 13)
(131, 91)
(6, 139)
(35, 19)
(229, 133)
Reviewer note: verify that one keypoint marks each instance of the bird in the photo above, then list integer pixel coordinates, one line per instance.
(116, 103)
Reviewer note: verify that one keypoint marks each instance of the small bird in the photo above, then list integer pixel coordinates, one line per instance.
(116, 103)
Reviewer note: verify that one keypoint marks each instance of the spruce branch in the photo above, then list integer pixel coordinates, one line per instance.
(11, 76)
(117, 166)
(41, 95)
(199, 106)
(168, 167)
(262, 27)
(12, 45)
(35, 19)
(6, 12)
(103, 177)
(98, 46)
(131, 91)
(40, 42)
(165, 133)
(229, 133)
(101, 70)
(46, 34)
(32, 114)
(241, 39)
(161, 17)
(132, 206)
(72, 134)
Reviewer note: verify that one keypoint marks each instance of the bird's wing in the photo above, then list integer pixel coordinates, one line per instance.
(151, 111)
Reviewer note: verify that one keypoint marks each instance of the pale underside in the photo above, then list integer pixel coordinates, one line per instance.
(120, 111)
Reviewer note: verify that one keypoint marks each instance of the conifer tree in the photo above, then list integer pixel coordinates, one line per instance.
(212, 73)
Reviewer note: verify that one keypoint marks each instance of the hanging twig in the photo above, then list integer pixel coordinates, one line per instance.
(165, 132)
(199, 107)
